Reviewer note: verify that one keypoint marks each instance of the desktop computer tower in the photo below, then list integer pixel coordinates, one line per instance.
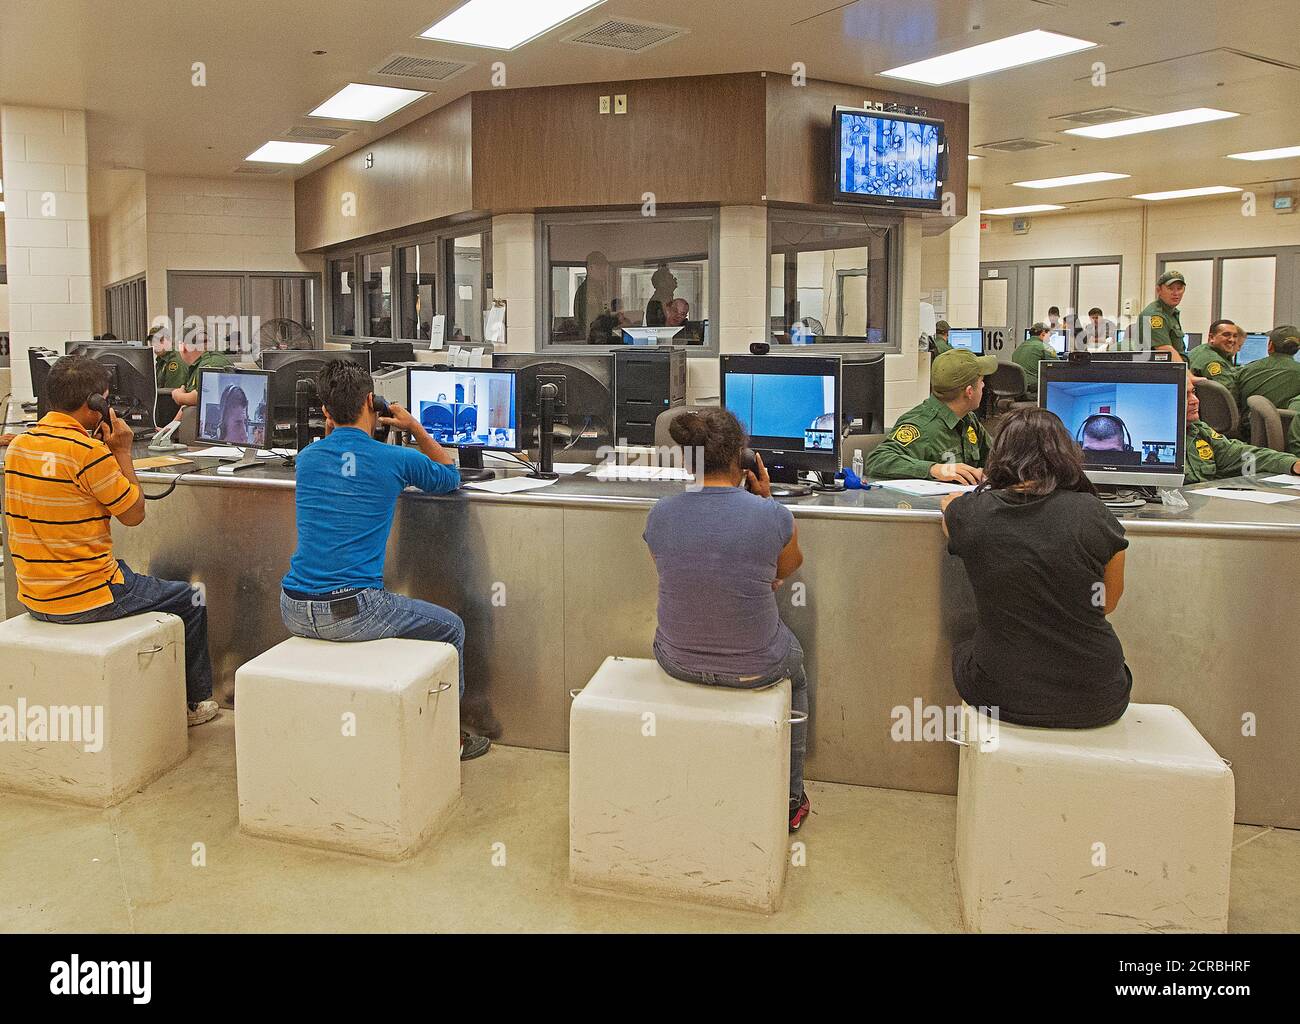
(647, 381)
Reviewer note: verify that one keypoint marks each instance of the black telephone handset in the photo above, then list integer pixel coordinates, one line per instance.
(748, 464)
(381, 409)
(99, 404)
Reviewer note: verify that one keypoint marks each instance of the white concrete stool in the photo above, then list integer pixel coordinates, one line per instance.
(1126, 828)
(91, 713)
(678, 790)
(349, 746)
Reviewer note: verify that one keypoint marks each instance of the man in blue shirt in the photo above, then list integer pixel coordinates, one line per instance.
(348, 484)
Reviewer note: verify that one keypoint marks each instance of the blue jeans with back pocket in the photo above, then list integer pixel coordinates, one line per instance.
(378, 615)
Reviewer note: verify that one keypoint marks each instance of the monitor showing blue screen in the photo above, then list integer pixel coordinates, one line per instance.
(794, 411)
(887, 157)
(1255, 347)
(972, 339)
(467, 408)
(1119, 424)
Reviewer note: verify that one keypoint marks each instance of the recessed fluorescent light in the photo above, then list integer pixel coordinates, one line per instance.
(1189, 193)
(1267, 154)
(1152, 123)
(2, 206)
(1008, 211)
(505, 24)
(986, 58)
(286, 152)
(972, 156)
(1071, 179)
(357, 102)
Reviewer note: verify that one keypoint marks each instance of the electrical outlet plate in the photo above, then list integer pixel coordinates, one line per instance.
(604, 104)
(620, 104)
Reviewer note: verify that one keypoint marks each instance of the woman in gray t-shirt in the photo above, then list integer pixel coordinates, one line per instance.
(722, 552)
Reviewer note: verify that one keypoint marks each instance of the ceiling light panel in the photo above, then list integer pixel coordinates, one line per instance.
(1071, 179)
(286, 152)
(987, 58)
(505, 24)
(356, 102)
(1189, 193)
(1267, 154)
(1010, 211)
(1152, 123)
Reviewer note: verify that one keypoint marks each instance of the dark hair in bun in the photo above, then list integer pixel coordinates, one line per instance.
(717, 431)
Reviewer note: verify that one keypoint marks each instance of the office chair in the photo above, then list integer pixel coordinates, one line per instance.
(663, 439)
(1007, 383)
(1267, 429)
(1218, 407)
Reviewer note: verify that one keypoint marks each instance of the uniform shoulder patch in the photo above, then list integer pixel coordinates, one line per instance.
(1215, 434)
(971, 436)
(1214, 369)
(1204, 450)
(1157, 322)
(905, 434)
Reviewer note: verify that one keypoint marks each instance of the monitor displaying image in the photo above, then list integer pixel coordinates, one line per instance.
(791, 411)
(232, 407)
(891, 159)
(1119, 423)
(971, 339)
(467, 408)
(1254, 347)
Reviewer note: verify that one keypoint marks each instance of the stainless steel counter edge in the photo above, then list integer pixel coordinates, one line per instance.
(542, 498)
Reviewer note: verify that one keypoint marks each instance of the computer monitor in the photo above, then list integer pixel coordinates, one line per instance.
(474, 410)
(1190, 340)
(1255, 347)
(234, 407)
(1129, 418)
(790, 407)
(1131, 357)
(863, 394)
(650, 335)
(584, 408)
(388, 352)
(969, 338)
(40, 361)
(133, 391)
(292, 365)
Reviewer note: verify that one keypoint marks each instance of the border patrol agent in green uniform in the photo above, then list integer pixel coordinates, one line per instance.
(1159, 322)
(1211, 456)
(1293, 438)
(942, 438)
(172, 371)
(1214, 358)
(1029, 354)
(1277, 375)
(940, 345)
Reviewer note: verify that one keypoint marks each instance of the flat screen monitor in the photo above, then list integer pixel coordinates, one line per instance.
(1190, 341)
(466, 408)
(1129, 418)
(863, 394)
(234, 407)
(790, 407)
(584, 408)
(291, 366)
(1131, 357)
(133, 392)
(969, 338)
(650, 335)
(1057, 341)
(1120, 333)
(887, 159)
(1255, 347)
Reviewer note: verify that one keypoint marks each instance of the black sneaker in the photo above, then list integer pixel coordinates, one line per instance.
(798, 811)
(472, 746)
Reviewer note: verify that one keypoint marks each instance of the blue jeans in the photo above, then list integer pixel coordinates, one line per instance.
(379, 615)
(136, 595)
(791, 667)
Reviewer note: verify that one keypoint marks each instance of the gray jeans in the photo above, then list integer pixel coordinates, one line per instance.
(790, 667)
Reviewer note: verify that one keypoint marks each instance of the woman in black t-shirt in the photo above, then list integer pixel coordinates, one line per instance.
(1046, 560)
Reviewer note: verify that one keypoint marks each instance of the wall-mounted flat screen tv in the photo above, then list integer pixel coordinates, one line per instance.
(884, 159)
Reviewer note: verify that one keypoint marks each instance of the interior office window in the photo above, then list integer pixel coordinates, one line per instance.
(417, 291)
(465, 263)
(217, 299)
(377, 295)
(993, 303)
(343, 297)
(1051, 287)
(124, 309)
(1246, 293)
(1099, 289)
(830, 281)
(606, 275)
(283, 309)
(1197, 310)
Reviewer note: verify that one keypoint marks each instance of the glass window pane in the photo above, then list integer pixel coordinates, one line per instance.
(1051, 288)
(343, 298)
(1247, 296)
(283, 311)
(1099, 289)
(614, 274)
(377, 295)
(1196, 311)
(466, 305)
(840, 279)
(216, 299)
(417, 266)
(993, 302)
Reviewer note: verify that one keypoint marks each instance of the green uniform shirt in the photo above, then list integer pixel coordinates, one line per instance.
(929, 434)
(1211, 456)
(207, 361)
(1276, 377)
(1207, 361)
(1161, 324)
(1027, 356)
(171, 371)
(941, 345)
(1293, 438)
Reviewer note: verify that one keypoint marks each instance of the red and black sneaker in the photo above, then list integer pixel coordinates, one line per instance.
(799, 811)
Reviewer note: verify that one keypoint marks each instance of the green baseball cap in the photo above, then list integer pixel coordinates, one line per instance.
(1281, 335)
(1039, 328)
(959, 368)
(1169, 277)
(942, 327)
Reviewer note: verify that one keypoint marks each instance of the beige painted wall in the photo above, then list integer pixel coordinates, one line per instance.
(118, 242)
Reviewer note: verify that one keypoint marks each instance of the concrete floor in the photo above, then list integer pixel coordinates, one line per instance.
(877, 860)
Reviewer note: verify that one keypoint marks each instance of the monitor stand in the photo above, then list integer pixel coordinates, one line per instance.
(1128, 498)
(471, 465)
(250, 459)
(827, 482)
(786, 484)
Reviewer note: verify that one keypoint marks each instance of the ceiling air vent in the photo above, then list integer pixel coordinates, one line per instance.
(1015, 145)
(255, 169)
(424, 69)
(626, 36)
(1102, 115)
(316, 131)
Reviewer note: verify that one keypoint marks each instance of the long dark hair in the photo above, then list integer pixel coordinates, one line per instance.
(717, 431)
(1033, 447)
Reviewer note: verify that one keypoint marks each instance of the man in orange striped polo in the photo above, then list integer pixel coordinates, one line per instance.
(65, 481)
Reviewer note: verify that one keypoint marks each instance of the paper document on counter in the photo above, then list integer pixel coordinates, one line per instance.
(634, 472)
(1283, 480)
(1259, 497)
(925, 488)
(510, 485)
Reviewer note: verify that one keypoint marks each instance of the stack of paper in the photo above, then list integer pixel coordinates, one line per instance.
(926, 488)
